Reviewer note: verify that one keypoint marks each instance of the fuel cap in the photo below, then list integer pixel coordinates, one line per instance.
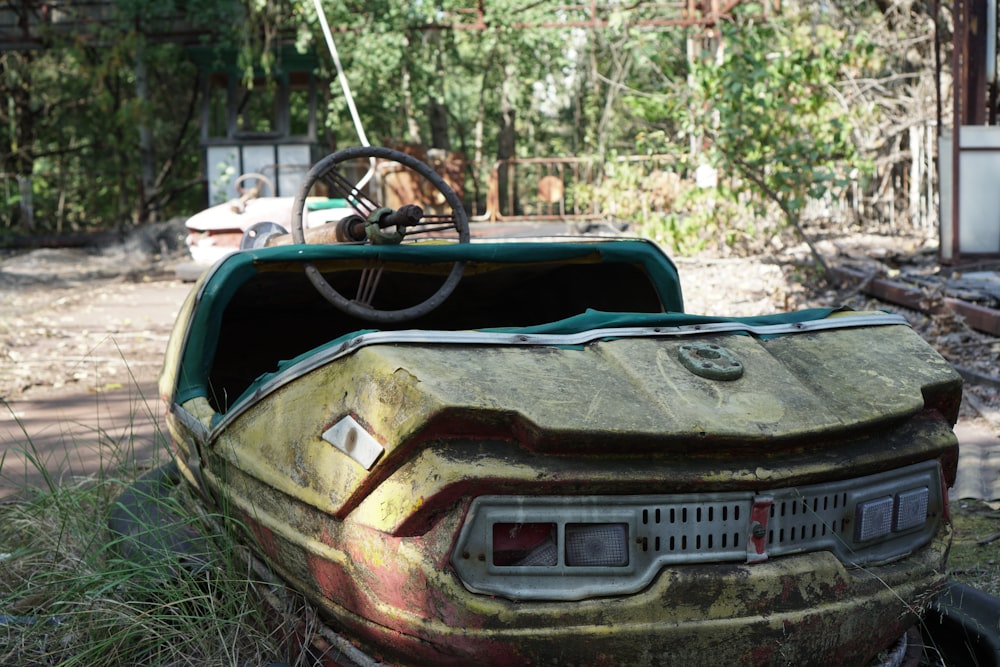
(711, 361)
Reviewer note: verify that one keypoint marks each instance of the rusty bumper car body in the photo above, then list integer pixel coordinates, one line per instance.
(553, 462)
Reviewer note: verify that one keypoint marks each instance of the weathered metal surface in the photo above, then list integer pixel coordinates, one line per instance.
(391, 593)
(461, 422)
(616, 416)
(978, 317)
(563, 403)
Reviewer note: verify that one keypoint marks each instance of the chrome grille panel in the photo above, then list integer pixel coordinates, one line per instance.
(680, 529)
(689, 529)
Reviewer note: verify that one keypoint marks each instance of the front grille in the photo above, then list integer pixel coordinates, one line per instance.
(689, 529)
(670, 530)
(810, 520)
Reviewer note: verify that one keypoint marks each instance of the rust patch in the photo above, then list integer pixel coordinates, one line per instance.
(757, 539)
(762, 655)
(335, 584)
(264, 537)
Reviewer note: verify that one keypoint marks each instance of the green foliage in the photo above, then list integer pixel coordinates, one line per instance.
(395, 68)
(84, 117)
(776, 118)
(73, 114)
(769, 113)
(769, 116)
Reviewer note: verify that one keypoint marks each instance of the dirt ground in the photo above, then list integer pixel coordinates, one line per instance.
(82, 335)
(96, 319)
(70, 317)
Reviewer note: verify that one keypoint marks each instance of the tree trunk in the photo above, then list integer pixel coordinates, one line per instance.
(507, 143)
(18, 155)
(147, 161)
(478, 131)
(438, 116)
(622, 65)
(480, 169)
(412, 126)
(437, 112)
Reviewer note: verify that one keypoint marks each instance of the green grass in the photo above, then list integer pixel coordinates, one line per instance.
(975, 549)
(67, 597)
(75, 602)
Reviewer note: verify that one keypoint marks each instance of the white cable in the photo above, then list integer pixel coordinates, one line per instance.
(347, 93)
(340, 74)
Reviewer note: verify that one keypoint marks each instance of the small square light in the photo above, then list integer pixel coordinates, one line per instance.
(911, 509)
(597, 544)
(350, 437)
(873, 519)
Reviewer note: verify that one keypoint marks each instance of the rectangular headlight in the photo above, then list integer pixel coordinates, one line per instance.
(597, 544)
(873, 519)
(577, 547)
(881, 516)
(524, 544)
(911, 509)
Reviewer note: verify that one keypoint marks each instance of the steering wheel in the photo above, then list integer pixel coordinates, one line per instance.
(260, 181)
(373, 223)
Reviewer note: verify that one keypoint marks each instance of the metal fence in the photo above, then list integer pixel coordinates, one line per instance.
(571, 189)
(567, 188)
(584, 188)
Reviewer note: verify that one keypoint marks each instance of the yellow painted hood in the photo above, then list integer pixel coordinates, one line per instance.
(618, 415)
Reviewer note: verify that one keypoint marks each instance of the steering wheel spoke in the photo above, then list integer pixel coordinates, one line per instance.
(341, 187)
(432, 226)
(370, 276)
(375, 222)
(261, 183)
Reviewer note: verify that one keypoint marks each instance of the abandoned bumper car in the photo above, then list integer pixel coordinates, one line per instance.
(218, 230)
(518, 453)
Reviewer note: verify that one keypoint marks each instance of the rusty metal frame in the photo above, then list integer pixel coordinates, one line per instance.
(960, 70)
(40, 16)
(978, 317)
(687, 13)
(495, 212)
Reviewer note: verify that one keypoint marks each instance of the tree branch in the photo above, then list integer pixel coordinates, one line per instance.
(793, 219)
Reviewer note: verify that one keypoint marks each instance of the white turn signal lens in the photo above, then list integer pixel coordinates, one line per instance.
(873, 519)
(597, 544)
(350, 437)
(911, 509)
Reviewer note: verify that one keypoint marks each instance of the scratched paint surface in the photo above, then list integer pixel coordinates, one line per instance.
(372, 548)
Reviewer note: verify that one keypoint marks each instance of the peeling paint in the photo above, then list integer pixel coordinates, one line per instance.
(371, 548)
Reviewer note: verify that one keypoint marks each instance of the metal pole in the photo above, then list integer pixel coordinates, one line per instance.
(959, 40)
